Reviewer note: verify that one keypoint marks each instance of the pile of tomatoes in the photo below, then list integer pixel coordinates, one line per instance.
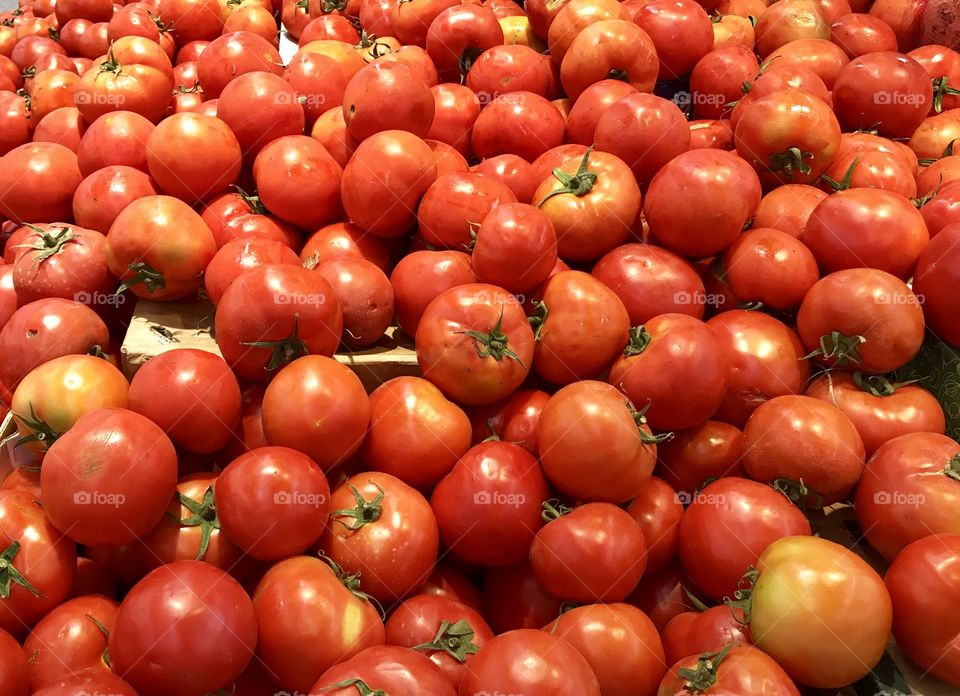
(656, 336)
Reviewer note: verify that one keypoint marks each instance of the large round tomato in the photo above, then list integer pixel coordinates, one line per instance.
(594, 445)
(37, 182)
(658, 510)
(309, 618)
(731, 670)
(116, 138)
(839, 631)
(260, 107)
(693, 633)
(101, 196)
(935, 275)
(787, 208)
(154, 643)
(454, 203)
(609, 48)
(384, 669)
(532, 663)
(125, 494)
(488, 507)
(131, 81)
(233, 54)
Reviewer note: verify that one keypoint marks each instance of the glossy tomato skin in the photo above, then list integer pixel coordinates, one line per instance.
(935, 274)
(418, 621)
(47, 194)
(609, 47)
(488, 506)
(743, 670)
(727, 526)
(475, 370)
(607, 457)
(787, 208)
(308, 621)
(708, 451)
(68, 640)
(389, 668)
(45, 558)
(517, 123)
(101, 196)
(531, 662)
(186, 597)
(693, 633)
(90, 503)
(231, 54)
(662, 595)
(769, 266)
(62, 261)
(848, 599)
(240, 255)
(365, 296)
(595, 553)
(658, 509)
(415, 433)
(765, 362)
(13, 666)
(924, 573)
(420, 277)
(89, 682)
(515, 247)
(878, 416)
(664, 351)
(319, 407)
(116, 138)
(908, 491)
(259, 108)
(455, 200)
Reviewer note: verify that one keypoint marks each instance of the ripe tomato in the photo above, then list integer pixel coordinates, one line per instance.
(116, 138)
(260, 107)
(728, 525)
(694, 456)
(69, 640)
(797, 19)
(663, 352)
(611, 48)
(383, 95)
(515, 247)
(840, 630)
(274, 314)
(385, 179)
(420, 277)
(488, 507)
(192, 395)
(718, 79)
(531, 662)
(458, 36)
(933, 277)
(187, 598)
(730, 671)
(101, 197)
(365, 297)
(593, 553)
(582, 326)
(769, 266)
(345, 239)
(109, 505)
(693, 633)
(859, 34)
(89, 682)
(37, 182)
(657, 509)
(234, 54)
(386, 668)
(475, 344)
(13, 666)
(924, 573)
(517, 123)
(415, 433)
(318, 81)
(309, 618)
(46, 329)
(272, 502)
(238, 256)
(40, 562)
(513, 598)
(787, 208)
(620, 643)
(608, 456)
(568, 21)
(697, 186)
(455, 203)
(15, 118)
(863, 319)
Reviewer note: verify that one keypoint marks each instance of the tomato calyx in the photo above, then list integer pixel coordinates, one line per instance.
(29, 71)
(704, 675)
(878, 385)
(143, 274)
(538, 319)
(9, 575)
(640, 418)
(639, 340)
(366, 512)
(328, 6)
(25, 95)
(253, 201)
(466, 61)
(54, 34)
(791, 161)
(105, 655)
(286, 350)
(553, 509)
(580, 183)
(42, 432)
(110, 65)
(454, 639)
(493, 344)
(351, 581)
(798, 493)
(49, 243)
(941, 89)
(952, 470)
(845, 182)
(359, 684)
(492, 437)
(615, 74)
(203, 514)
(742, 602)
(840, 348)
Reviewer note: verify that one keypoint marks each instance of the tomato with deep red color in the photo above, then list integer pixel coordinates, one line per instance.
(238, 256)
(37, 182)
(611, 47)
(88, 682)
(514, 420)
(122, 498)
(456, 108)
(449, 583)
(680, 31)
(662, 595)
(411, 20)
(729, 670)
(365, 297)
(13, 666)
(657, 510)
(309, 620)
(859, 34)
(588, 109)
(458, 36)
(607, 456)
(924, 581)
(422, 276)
(15, 119)
(488, 506)
(517, 123)
(192, 20)
(69, 640)
(709, 451)
(508, 68)
(515, 247)
(770, 266)
(386, 668)
(103, 195)
(186, 599)
(863, 319)
(116, 138)
(455, 202)
(233, 54)
(694, 633)
(718, 79)
(840, 630)
(933, 279)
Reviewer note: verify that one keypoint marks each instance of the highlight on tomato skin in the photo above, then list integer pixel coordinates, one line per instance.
(543, 348)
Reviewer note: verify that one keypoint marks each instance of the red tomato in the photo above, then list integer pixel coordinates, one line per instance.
(488, 506)
(880, 410)
(415, 433)
(840, 630)
(187, 598)
(130, 80)
(345, 239)
(317, 79)
(88, 682)
(666, 350)
(863, 319)
(693, 633)
(797, 19)
(787, 208)
(694, 456)
(530, 662)
(658, 509)
(41, 562)
(238, 256)
(729, 671)
(101, 197)
(37, 182)
(448, 583)
(620, 643)
(572, 17)
(15, 118)
(310, 617)
(924, 573)
(233, 54)
(662, 595)
(69, 640)
(386, 668)
(858, 34)
(192, 20)
(365, 297)
(515, 247)
(385, 95)
(455, 203)
(613, 48)
(771, 267)
(13, 666)
(475, 344)
(608, 457)
(422, 276)
(933, 278)
(260, 107)
(718, 79)
(509, 68)
(515, 420)
(116, 138)
(110, 505)
(517, 123)
(458, 36)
